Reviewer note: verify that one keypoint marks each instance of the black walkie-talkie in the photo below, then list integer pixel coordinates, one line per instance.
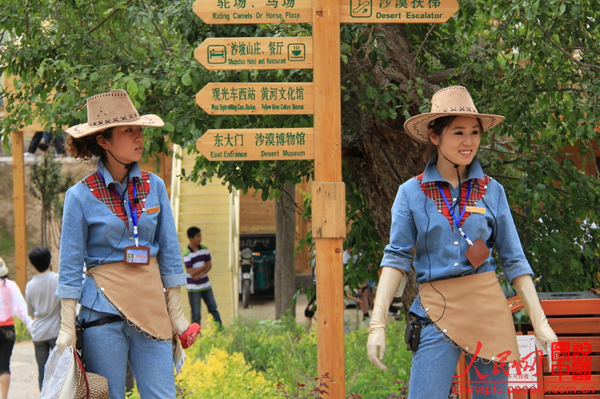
(412, 335)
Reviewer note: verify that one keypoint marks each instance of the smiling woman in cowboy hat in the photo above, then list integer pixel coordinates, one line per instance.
(455, 215)
(118, 223)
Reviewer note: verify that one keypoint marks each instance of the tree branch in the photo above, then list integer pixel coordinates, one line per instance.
(441, 76)
(566, 53)
(414, 63)
(158, 32)
(109, 16)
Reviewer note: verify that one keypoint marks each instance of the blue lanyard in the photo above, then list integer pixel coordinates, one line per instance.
(132, 209)
(462, 213)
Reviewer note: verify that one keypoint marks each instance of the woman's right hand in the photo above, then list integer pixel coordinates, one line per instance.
(67, 336)
(389, 281)
(376, 345)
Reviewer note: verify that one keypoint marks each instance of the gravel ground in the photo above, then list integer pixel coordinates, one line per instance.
(23, 369)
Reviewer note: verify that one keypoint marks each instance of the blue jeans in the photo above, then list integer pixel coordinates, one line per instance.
(42, 351)
(107, 349)
(209, 299)
(434, 366)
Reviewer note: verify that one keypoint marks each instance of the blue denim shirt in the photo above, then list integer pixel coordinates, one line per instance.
(92, 235)
(440, 249)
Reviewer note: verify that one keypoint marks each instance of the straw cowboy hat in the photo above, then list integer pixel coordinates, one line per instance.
(454, 100)
(112, 109)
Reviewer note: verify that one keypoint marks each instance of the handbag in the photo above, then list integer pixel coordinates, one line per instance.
(89, 385)
(65, 378)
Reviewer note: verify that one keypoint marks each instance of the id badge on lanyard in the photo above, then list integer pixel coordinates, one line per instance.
(478, 252)
(134, 255)
(137, 255)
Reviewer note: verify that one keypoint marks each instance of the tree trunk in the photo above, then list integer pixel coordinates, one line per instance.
(379, 154)
(285, 278)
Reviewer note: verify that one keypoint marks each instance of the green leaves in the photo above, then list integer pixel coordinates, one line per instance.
(535, 63)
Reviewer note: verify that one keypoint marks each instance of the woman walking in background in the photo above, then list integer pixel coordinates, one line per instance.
(13, 304)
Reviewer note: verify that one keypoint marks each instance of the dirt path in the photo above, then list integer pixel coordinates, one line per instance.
(24, 375)
(263, 308)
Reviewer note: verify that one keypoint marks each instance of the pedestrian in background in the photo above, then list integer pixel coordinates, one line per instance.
(198, 263)
(43, 306)
(13, 304)
(49, 138)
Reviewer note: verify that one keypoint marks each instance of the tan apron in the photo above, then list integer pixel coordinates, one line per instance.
(471, 310)
(138, 293)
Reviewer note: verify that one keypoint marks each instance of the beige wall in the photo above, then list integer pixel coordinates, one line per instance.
(214, 210)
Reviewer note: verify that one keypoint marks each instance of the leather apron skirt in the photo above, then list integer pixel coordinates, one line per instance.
(138, 294)
(472, 311)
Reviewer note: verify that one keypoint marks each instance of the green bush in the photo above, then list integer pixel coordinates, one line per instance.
(224, 375)
(286, 355)
(21, 330)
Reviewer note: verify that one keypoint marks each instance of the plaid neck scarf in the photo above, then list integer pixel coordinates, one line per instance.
(478, 189)
(113, 200)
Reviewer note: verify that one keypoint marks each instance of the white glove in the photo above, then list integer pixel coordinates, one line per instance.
(526, 291)
(389, 281)
(178, 321)
(66, 336)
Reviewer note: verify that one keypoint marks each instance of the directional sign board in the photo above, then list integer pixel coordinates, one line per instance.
(253, 11)
(400, 11)
(296, 11)
(256, 98)
(255, 53)
(257, 144)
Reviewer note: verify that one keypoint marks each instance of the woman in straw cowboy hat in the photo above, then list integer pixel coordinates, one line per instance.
(13, 304)
(455, 214)
(118, 223)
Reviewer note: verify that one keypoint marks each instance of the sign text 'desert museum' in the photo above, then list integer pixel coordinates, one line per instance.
(257, 144)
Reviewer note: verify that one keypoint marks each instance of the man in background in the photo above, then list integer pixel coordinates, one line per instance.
(198, 263)
(43, 306)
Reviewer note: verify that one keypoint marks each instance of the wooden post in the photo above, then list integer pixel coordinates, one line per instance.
(328, 200)
(19, 210)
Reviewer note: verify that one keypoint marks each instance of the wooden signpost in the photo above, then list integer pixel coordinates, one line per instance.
(256, 98)
(257, 144)
(255, 53)
(323, 144)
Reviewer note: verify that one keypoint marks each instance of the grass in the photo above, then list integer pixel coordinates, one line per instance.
(7, 242)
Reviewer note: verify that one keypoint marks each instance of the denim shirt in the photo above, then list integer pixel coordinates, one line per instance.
(93, 235)
(440, 249)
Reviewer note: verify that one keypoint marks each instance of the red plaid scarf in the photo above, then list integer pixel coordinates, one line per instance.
(97, 186)
(478, 189)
